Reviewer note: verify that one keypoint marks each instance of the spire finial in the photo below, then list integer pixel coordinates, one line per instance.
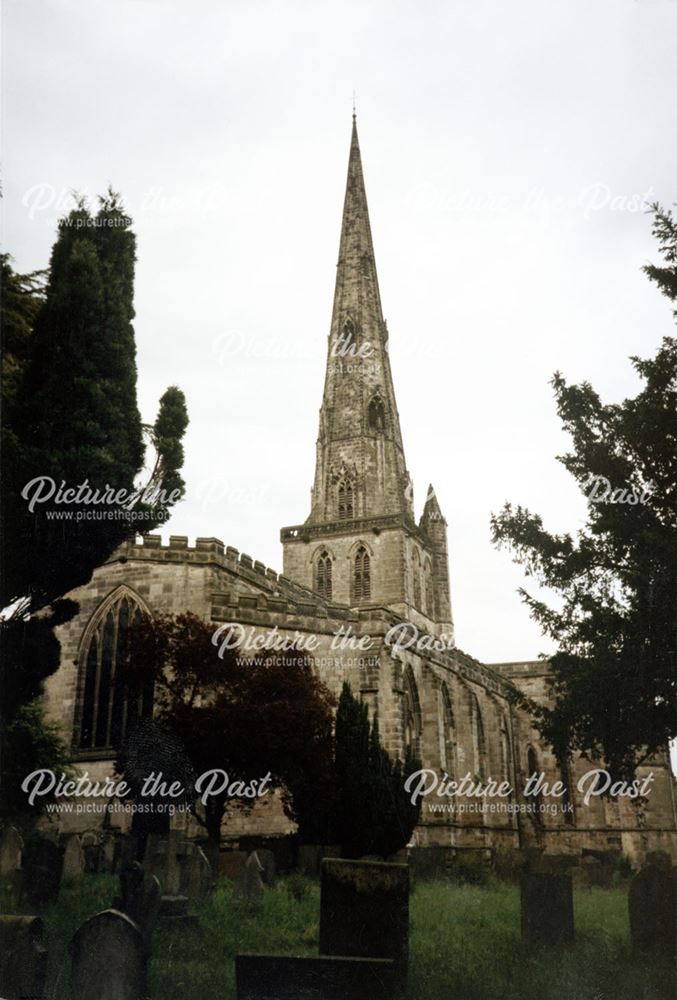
(354, 106)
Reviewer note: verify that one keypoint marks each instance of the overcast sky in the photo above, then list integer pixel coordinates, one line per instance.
(507, 151)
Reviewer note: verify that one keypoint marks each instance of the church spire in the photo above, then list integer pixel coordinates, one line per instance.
(360, 544)
(359, 436)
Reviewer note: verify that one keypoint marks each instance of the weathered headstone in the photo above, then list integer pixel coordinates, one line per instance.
(108, 959)
(267, 860)
(507, 863)
(547, 908)
(140, 898)
(364, 910)
(11, 846)
(23, 958)
(107, 853)
(42, 870)
(652, 908)
(174, 913)
(161, 859)
(248, 887)
(91, 849)
(73, 857)
(198, 884)
(231, 863)
(308, 859)
(429, 862)
(323, 977)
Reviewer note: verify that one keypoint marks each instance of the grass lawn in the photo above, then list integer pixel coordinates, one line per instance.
(464, 944)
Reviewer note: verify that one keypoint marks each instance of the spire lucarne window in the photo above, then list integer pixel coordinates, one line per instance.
(110, 702)
(346, 500)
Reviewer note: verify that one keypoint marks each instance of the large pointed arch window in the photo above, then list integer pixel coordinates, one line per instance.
(323, 583)
(111, 701)
(446, 730)
(478, 737)
(412, 726)
(346, 500)
(362, 575)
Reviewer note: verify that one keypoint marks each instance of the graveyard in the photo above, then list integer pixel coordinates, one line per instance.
(356, 929)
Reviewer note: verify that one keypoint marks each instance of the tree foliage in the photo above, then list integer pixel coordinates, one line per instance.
(70, 410)
(249, 718)
(374, 814)
(614, 623)
(69, 414)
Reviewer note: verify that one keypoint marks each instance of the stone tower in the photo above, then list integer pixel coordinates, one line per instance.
(360, 545)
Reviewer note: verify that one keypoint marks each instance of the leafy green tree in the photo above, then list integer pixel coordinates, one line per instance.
(69, 414)
(374, 814)
(249, 718)
(74, 417)
(614, 622)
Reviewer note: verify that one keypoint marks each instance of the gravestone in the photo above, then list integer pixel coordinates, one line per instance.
(652, 908)
(108, 959)
(198, 884)
(73, 857)
(547, 908)
(140, 899)
(267, 860)
(323, 977)
(91, 850)
(174, 913)
(42, 865)
(162, 860)
(364, 910)
(107, 853)
(308, 859)
(23, 958)
(231, 863)
(429, 862)
(11, 846)
(249, 888)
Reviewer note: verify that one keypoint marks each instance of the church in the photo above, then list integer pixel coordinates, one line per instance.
(360, 567)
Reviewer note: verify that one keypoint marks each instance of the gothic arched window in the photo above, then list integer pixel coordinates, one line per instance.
(346, 500)
(362, 575)
(446, 730)
(110, 702)
(479, 740)
(411, 721)
(506, 756)
(417, 579)
(376, 415)
(323, 575)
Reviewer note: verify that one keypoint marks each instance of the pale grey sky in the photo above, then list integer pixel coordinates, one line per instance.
(507, 151)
